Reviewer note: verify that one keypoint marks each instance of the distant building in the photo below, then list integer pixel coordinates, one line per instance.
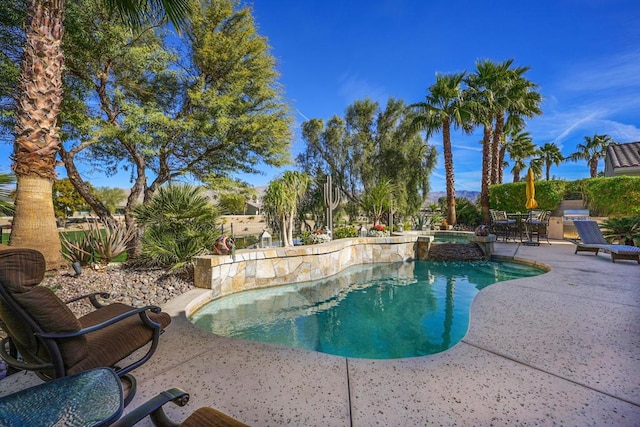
(622, 159)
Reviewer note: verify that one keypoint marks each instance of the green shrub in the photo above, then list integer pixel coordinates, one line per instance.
(345, 232)
(179, 223)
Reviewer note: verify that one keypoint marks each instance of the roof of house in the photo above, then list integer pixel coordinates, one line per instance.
(624, 155)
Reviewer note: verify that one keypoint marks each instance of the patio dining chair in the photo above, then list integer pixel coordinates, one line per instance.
(501, 225)
(538, 225)
(592, 240)
(44, 336)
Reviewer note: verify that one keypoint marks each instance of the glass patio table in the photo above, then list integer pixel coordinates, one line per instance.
(91, 398)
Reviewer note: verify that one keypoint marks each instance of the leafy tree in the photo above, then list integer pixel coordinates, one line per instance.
(443, 108)
(550, 154)
(39, 97)
(232, 203)
(594, 149)
(179, 223)
(218, 113)
(368, 145)
(66, 200)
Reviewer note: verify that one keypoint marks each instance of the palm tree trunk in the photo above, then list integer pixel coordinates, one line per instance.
(495, 148)
(448, 166)
(37, 134)
(593, 167)
(34, 225)
(486, 166)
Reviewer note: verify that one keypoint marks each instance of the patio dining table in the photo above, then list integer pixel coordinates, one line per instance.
(521, 223)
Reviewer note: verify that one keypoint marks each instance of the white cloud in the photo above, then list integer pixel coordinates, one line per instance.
(353, 88)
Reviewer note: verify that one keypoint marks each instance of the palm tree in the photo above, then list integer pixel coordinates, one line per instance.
(594, 150)
(37, 140)
(520, 147)
(550, 155)
(443, 108)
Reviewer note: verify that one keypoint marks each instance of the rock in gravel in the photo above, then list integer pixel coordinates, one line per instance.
(137, 287)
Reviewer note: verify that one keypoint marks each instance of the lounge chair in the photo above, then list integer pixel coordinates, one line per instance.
(44, 336)
(592, 240)
(95, 398)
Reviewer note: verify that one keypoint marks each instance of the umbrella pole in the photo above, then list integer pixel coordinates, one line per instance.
(527, 225)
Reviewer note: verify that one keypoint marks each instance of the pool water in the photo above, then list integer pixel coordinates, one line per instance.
(375, 311)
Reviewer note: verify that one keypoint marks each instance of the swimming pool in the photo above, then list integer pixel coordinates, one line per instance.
(377, 311)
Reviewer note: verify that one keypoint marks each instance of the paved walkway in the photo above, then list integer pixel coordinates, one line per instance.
(562, 348)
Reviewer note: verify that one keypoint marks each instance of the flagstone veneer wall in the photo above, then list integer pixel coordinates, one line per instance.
(259, 268)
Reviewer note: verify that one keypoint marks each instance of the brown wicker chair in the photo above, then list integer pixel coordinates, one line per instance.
(44, 336)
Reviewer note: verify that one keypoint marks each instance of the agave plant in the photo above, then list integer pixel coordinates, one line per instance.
(78, 248)
(109, 240)
(624, 230)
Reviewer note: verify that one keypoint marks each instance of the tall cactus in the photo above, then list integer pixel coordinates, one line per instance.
(331, 200)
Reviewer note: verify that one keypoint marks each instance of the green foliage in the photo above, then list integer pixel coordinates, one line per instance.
(102, 242)
(132, 103)
(66, 199)
(77, 247)
(468, 213)
(232, 203)
(345, 232)
(612, 196)
(377, 200)
(369, 145)
(111, 198)
(179, 223)
(623, 230)
(6, 205)
(512, 197)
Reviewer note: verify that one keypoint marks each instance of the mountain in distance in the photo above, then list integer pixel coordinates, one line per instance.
(471, 195)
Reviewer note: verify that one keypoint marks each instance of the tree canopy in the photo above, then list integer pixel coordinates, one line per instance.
(368, 146)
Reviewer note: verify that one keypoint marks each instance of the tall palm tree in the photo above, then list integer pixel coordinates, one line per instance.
(550, 154)
(37, 140)
(594, 150)
(443, 108)
(520, 148)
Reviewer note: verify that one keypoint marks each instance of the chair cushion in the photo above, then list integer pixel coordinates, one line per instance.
(21, 269)
(52, 315)
(109, 345)
(209, 417)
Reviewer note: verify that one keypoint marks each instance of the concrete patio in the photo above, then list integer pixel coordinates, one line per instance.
(562, 348)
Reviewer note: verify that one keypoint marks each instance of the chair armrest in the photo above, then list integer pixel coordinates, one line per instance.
(142, 312)
(153, 408)
(92, 298)
(19, 364)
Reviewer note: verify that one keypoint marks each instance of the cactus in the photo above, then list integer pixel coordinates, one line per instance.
(331, 200)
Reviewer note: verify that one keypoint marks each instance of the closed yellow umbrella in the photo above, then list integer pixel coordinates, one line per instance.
(531, 191)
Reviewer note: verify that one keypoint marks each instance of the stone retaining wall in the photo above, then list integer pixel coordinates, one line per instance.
(259, 268)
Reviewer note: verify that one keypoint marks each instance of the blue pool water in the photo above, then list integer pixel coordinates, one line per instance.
(376, 311)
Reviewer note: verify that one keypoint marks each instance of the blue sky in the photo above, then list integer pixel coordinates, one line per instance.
(584, 55)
